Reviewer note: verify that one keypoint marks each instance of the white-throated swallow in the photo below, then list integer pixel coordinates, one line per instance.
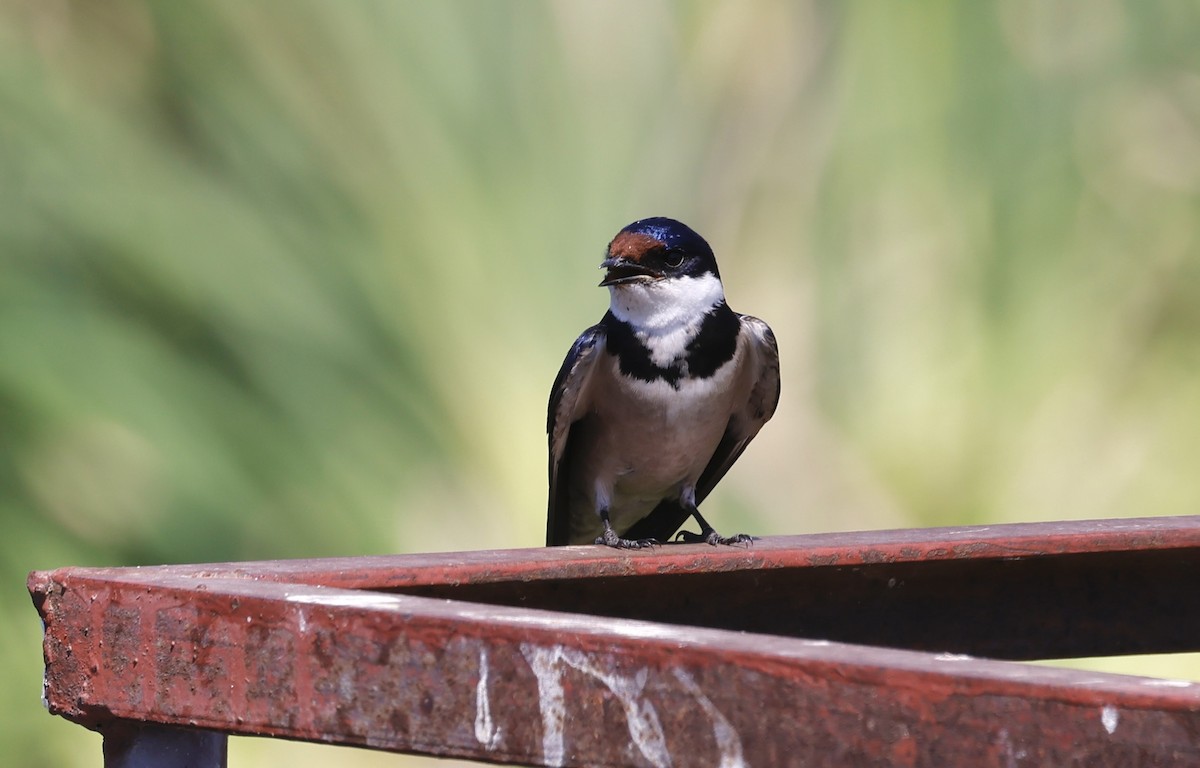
(655, 403)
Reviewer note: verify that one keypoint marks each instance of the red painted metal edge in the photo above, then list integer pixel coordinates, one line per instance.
(1008, 541)
(247, 652)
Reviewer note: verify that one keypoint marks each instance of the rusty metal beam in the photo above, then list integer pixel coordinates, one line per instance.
(335, 651)
(855, 548)
(1032, 591)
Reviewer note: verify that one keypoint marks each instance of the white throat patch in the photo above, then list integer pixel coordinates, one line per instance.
(666, 314)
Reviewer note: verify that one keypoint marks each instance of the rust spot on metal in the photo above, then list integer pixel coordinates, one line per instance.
(871, 556)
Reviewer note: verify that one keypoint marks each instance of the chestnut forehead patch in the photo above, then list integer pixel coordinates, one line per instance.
(633, 245)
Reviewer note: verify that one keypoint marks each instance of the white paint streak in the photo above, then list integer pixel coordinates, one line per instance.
(644, 726)
(645, 730)
(952, 657)
(1013, 756)
(356, 600)
(568, 623)
(1004, 741)
(1168, 683)
(486, 732)
(1109, 717)
(544, 663)
(729, 744)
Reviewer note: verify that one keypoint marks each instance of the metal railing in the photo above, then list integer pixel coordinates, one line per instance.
(832, 649)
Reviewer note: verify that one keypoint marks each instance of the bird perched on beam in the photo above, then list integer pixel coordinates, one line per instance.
(655, 403)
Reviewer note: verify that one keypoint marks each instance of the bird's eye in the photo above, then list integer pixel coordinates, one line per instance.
(673, 259)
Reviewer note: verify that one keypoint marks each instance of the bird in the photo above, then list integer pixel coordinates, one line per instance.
(655, 403)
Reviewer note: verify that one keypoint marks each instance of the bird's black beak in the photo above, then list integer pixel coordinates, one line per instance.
(622, 271)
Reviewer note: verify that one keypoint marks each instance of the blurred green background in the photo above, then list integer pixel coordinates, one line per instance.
(292, 279)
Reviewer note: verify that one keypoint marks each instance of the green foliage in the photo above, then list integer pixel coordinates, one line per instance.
(292, 278)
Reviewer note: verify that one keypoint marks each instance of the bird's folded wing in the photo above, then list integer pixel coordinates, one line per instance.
(568, 404)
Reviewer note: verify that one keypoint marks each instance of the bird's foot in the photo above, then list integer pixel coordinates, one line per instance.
(712, 537)
(611, 539)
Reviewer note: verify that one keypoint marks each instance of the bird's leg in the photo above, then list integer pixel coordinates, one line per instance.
(611, 539)
(708, 534)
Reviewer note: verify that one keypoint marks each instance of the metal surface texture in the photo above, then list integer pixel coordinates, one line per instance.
(546, 656)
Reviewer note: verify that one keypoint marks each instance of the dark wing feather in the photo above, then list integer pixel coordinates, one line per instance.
(568, 404)
(666, 518)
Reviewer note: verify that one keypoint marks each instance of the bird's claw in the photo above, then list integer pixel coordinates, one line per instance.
(611, 539)
(712, 537)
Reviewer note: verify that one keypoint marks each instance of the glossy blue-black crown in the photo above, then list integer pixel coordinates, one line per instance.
(675, 235)
(671, 233)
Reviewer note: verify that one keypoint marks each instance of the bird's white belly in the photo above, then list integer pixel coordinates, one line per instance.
(655, 440)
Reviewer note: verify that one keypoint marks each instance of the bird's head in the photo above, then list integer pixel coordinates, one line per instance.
(660, 273)
(657, 249)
